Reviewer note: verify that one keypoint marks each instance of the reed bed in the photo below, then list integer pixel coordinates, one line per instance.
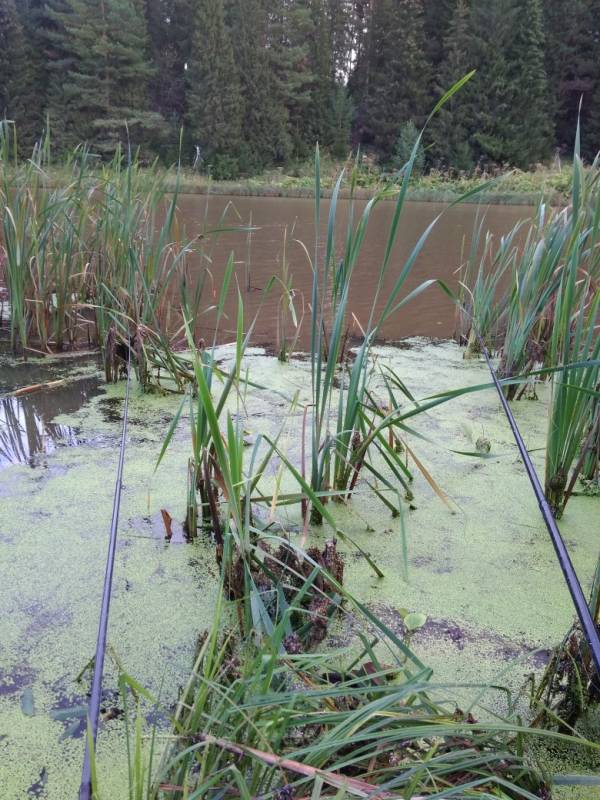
(545, 323)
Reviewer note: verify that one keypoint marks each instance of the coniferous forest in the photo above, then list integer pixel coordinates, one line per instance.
(243, 85)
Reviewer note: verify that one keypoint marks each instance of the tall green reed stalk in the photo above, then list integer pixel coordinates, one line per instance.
(534, 282)
(138, 251)
(339, 442)
(574, 346)
(483, 300)
(44, 238)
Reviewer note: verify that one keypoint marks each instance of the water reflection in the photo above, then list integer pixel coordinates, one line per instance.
(26, 430)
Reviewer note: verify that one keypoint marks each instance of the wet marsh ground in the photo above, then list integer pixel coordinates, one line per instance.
(484, 572)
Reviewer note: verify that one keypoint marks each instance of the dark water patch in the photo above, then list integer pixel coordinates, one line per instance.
(37, 789)
(504, 648)
(27, 432)
(433, 564)
(16, 681)
(16, 373)
(44, 619)
(71, 710)
(111, 409)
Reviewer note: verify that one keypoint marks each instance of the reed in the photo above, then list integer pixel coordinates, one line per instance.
(340, 434)
(264, 716)
(574, 343)
(482, 301)
(43, 233)
(575, 347)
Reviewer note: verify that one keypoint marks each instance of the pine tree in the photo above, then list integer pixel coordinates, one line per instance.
(391, 87)
(99, 87)
(344, 28)
(451, 128)
(12, 48)
(170, 32)
(214, 101)
(531, 126)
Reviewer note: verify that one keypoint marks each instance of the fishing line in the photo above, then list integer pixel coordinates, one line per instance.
(85, 789)
(566, 565)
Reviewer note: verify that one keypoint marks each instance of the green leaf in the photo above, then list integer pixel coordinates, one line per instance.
(415, 620)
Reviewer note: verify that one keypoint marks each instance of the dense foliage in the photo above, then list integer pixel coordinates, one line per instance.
(254, 83)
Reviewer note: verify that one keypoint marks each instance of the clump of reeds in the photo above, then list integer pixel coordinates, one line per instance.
(548, 324)
(263, 716)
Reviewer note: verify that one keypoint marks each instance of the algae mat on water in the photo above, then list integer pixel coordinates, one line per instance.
(485, 574)
(53, 538)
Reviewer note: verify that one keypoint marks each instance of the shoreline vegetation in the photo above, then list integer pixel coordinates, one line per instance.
(509, 187)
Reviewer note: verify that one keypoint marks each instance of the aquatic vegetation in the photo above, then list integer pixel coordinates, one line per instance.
(549, 320)
(43, 238)
(262, 715)
(574, 346)
(570, 688)
(340, 432)
(482, 300)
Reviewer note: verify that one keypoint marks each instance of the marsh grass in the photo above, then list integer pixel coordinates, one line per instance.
(44, 244)
(340, 433)
(549, 323)
(262, 716)
(482, 302)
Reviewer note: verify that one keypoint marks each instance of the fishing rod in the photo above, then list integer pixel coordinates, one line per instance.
(581, 606)
(85, 789)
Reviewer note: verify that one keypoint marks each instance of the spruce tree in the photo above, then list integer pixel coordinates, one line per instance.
(323, 77)
(438, 16)
(340, 122)
(12, 49)
(99, 88)
(451, 128)
(34, 75)
(392, 88)
(531, 126)
(290, 32)
(214, 100)
(491, 96)
(265, 133)
(170, 32)
(573, 66)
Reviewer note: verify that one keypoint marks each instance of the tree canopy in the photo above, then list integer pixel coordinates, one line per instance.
(255, 83)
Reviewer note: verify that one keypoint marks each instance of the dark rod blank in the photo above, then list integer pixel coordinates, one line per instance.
(581, 606)
(85, 790)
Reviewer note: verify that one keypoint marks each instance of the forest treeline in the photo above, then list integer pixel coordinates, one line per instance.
(254, 83)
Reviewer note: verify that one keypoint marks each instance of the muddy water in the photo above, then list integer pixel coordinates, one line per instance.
(284, 225)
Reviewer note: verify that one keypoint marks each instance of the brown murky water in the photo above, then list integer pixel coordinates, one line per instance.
(283, 223)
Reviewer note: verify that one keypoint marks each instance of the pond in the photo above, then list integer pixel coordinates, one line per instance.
(481, 569)
(285, 232)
